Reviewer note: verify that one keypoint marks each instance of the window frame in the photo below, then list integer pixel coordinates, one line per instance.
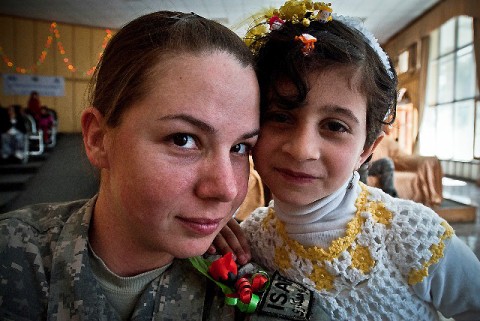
(433, 100)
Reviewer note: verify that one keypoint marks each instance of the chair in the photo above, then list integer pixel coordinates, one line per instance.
(35, 137)
(418, 178)
(52, 134)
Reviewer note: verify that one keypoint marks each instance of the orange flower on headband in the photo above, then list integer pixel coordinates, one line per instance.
(308, 42)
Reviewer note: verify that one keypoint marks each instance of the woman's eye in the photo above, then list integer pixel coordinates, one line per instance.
(243, 149)
(336, 126)
(184, 140)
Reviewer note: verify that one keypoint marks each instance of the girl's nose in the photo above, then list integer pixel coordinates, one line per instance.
(303, 144)
(218, 180)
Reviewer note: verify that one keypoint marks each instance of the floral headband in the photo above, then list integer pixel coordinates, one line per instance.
(305, 12)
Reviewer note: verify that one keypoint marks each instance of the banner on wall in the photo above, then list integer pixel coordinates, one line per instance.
(16, 84)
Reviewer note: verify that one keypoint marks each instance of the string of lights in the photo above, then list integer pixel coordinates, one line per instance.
(54, 35)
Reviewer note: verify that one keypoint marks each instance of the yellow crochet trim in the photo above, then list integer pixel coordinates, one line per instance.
(283, 259)
(437, 250)
(316, 254)
(361, 257)
(322, 278)
(380, 213)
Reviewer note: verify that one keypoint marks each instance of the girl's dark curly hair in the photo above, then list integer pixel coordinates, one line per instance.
(279, 58)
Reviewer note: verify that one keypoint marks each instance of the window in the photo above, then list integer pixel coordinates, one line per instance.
(451, 123)
(406, 61)
(402, 66)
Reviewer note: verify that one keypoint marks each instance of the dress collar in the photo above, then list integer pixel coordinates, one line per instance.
(321, 221)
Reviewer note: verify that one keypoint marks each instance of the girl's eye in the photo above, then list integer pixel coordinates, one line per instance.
(336, 126)
(243, 149)
(277, 117)
(184, 141)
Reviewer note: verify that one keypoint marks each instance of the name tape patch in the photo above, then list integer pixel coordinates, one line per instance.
(286, 299)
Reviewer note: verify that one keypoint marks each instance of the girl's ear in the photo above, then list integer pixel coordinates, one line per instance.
(369, 150)
(93, 130)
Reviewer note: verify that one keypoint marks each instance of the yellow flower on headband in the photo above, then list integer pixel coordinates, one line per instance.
(305, 12)
(293, 11)
(301, 11)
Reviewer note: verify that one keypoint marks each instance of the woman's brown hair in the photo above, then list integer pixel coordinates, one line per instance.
(122, 75)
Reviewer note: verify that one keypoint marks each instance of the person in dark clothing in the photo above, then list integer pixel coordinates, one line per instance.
(382, 168)
(13, 134)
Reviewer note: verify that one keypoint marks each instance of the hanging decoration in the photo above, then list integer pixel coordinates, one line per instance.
(54, 34)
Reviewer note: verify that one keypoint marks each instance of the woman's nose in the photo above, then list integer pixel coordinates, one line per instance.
(303, 144)
(218, 180)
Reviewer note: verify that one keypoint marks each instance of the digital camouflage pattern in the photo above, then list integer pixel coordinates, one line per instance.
(45, 274)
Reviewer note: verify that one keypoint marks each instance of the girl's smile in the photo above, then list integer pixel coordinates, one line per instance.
(306, 153)
(296, 177)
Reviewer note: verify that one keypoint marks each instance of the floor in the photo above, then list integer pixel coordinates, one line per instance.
(467, 193)
(61, 174)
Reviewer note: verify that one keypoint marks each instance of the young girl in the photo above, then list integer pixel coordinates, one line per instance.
(327, 88)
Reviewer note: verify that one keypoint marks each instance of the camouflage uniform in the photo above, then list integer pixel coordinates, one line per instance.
(45, 274)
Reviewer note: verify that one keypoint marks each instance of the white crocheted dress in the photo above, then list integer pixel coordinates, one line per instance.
(368, 273)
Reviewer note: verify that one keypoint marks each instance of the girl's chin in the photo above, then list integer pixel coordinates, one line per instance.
(296, 200)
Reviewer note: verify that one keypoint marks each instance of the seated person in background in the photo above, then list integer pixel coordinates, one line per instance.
(13, 134)
(382, 168)
(33, 105)
(4, 119)
(45, 123)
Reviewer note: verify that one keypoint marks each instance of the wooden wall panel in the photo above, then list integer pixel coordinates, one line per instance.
(66, 38)
(23, 40)
(50, 102)
(8, 48)
(24, 43)
(83, 44)
(6, 100)
(64, 108)
(7, 43)
(431, 20)
(42, 34)
(79, 103)
(98, 37)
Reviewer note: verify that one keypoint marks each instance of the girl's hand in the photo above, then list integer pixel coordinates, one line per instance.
(232, 239)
